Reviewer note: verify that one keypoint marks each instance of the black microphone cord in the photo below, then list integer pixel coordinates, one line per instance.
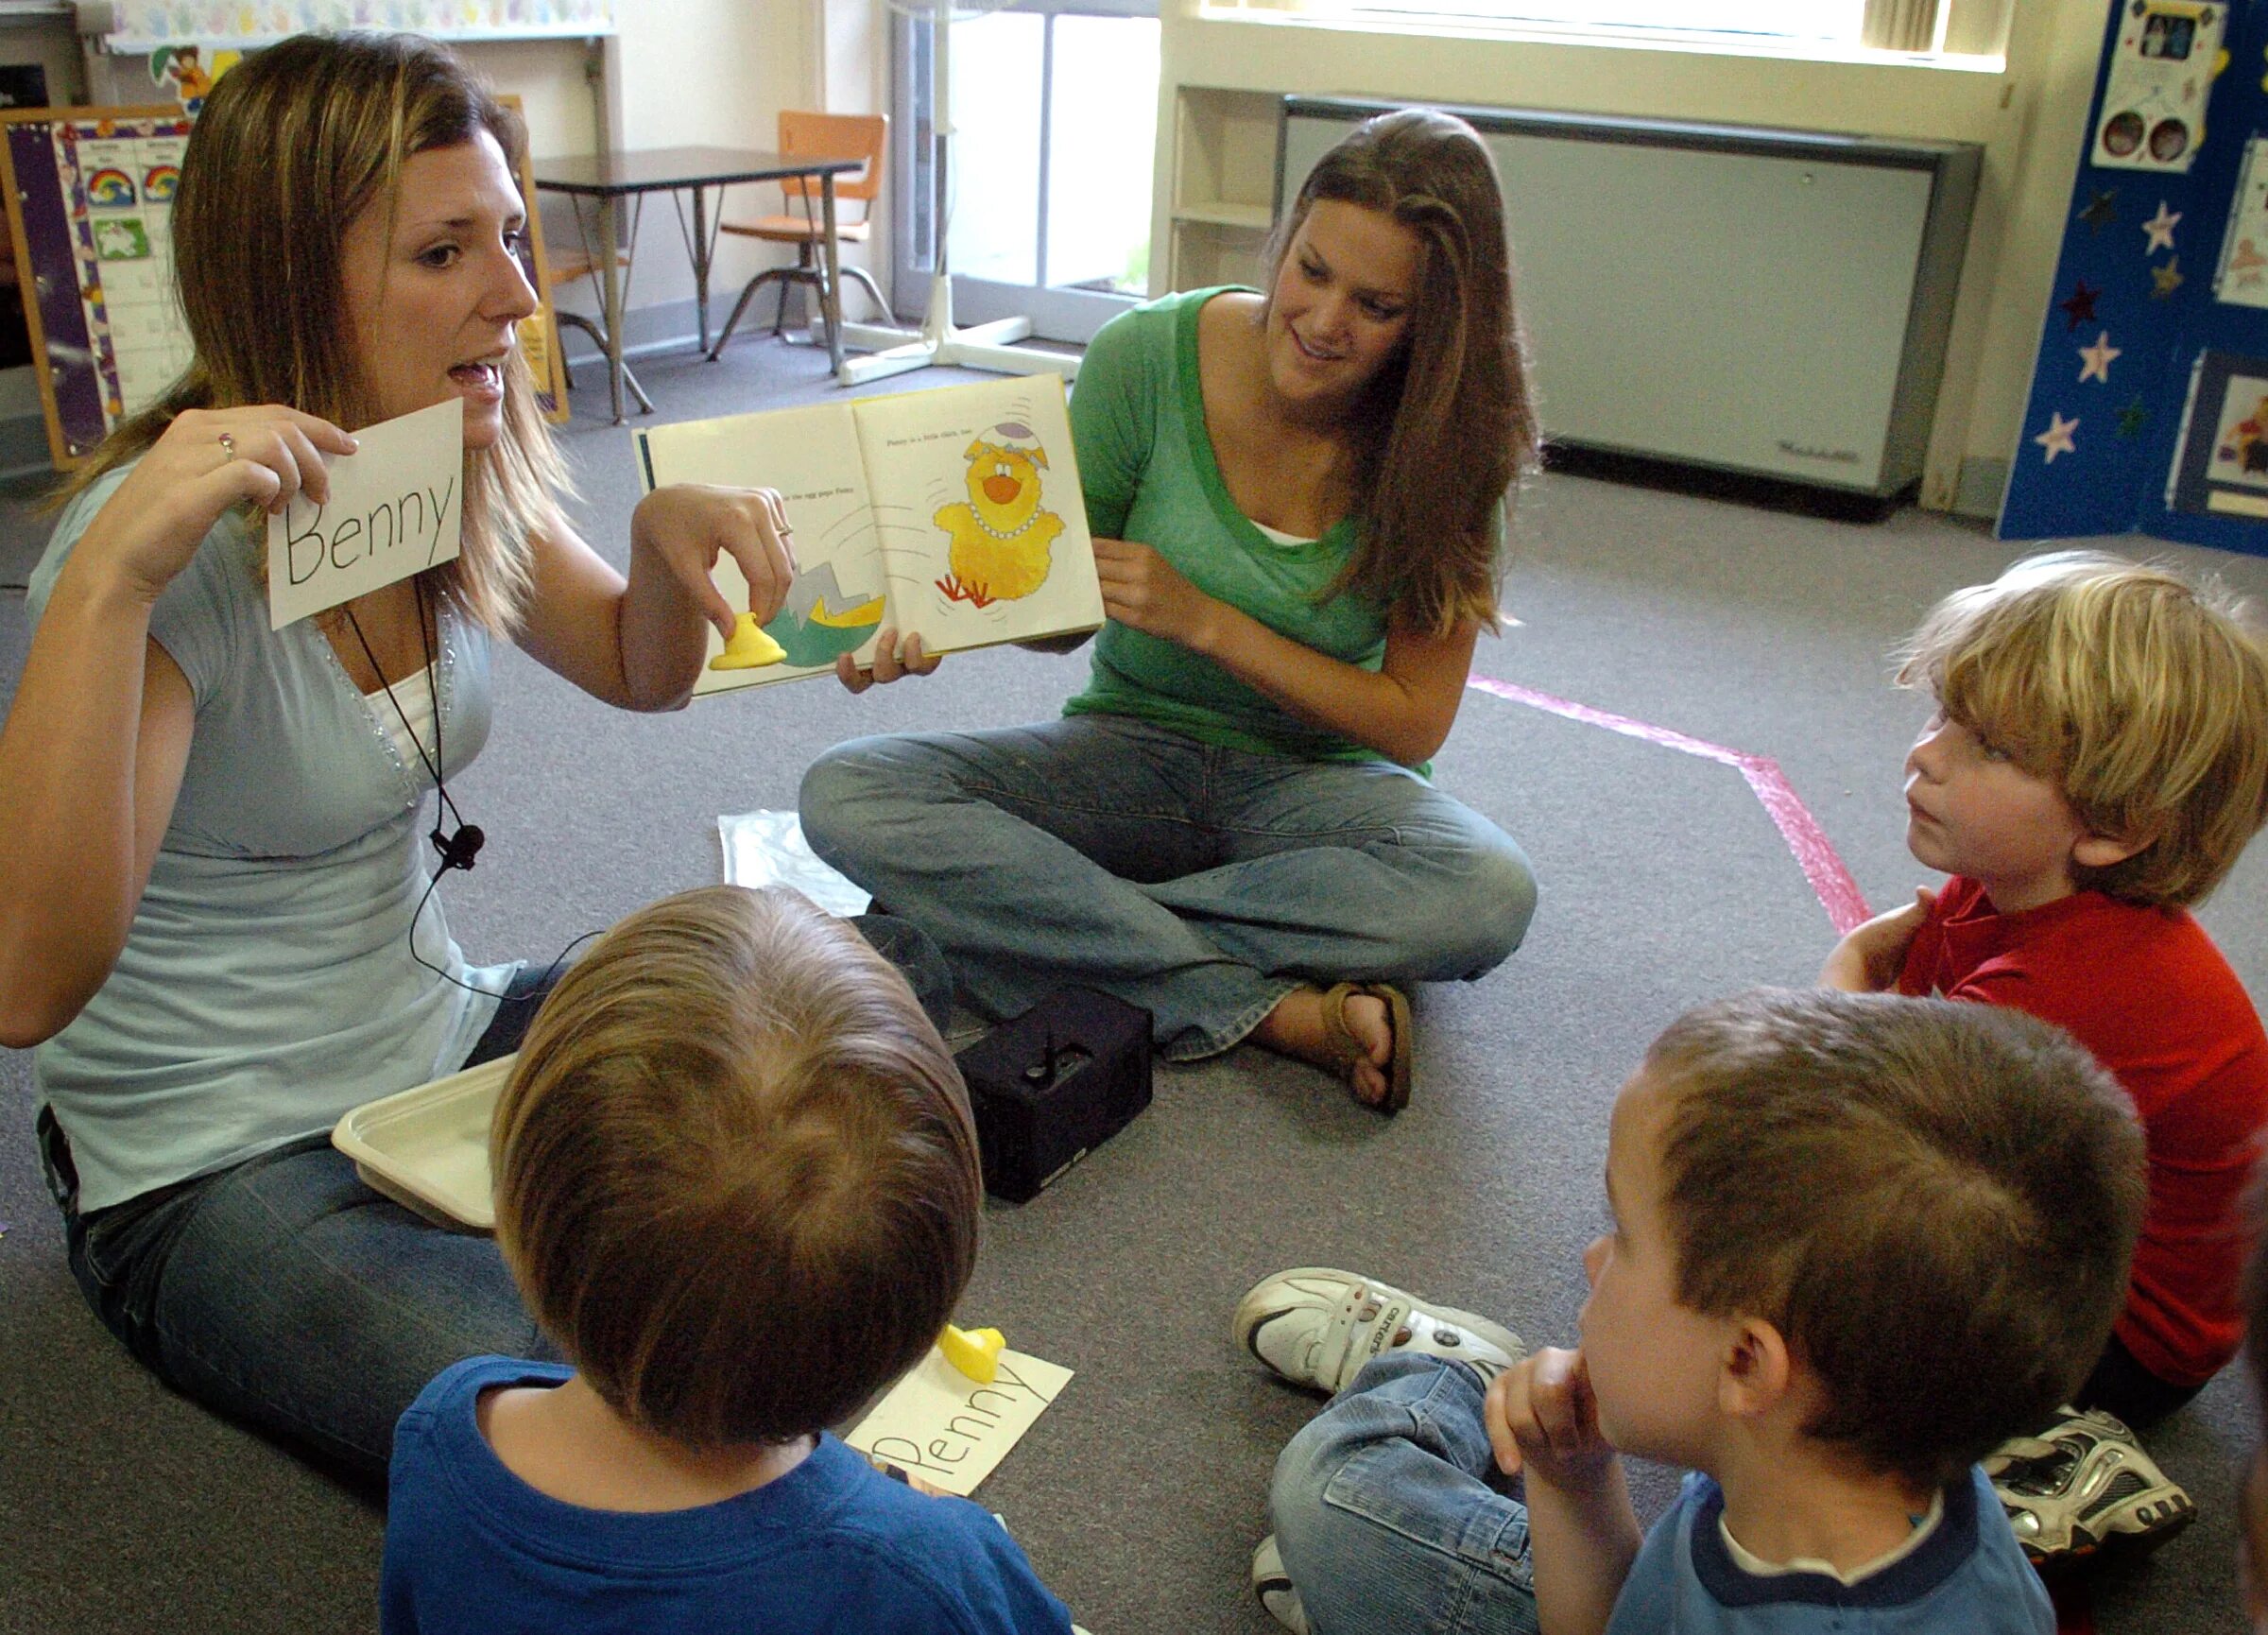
(457, 850)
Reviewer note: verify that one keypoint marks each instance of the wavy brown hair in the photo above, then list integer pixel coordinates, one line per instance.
(1448, 426)
(1934, 1202)
(737, 1176)
(293, 145)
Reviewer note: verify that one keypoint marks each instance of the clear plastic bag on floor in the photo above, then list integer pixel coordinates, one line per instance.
(768, 849)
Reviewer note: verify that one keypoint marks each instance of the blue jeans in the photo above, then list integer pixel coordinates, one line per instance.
(1202, 883)
(287, 1293)
(1386, 1515)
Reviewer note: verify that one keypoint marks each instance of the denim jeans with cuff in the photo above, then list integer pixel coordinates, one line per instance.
(1201, 881)
(286, 1293)
(1387, 1516)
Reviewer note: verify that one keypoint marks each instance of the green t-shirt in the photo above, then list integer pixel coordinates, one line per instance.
(1147, 468)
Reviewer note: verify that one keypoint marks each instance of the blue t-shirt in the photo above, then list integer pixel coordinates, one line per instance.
(834, 1545)
(1969, 1574)
(266, 985)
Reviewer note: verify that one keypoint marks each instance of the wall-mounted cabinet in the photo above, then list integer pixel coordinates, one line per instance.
(1221, 193)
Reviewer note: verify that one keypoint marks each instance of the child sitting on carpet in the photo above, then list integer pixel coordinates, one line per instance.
(1809, 1298)
(2096, 763)
(736, 1181)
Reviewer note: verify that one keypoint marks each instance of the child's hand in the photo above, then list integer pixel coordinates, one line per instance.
(1542, 1418)
(1869, 959)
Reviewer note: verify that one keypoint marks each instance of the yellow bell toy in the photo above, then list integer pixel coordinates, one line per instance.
(750, 648)
(973, 1352)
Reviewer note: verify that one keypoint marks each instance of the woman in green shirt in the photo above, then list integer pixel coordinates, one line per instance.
(1298, 502)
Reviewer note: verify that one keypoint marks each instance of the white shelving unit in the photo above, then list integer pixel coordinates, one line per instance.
(1222, 195)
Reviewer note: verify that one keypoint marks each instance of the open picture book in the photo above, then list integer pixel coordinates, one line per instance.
(953, 512)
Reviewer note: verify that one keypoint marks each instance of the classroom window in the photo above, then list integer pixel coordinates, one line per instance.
(1839, 19)
(1047, 208)
(1833, 30)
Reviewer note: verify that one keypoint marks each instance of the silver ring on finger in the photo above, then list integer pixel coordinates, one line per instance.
(228, 446)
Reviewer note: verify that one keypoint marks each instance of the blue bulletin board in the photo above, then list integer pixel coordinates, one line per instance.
(2149, 403)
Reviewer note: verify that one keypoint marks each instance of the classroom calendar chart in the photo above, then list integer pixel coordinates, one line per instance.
(89, 193)
(120, 182)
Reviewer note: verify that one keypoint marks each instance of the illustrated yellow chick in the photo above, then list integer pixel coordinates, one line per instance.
(1000, 538)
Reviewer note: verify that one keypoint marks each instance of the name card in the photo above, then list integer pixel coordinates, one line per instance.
(396, 509)
(940, 1425)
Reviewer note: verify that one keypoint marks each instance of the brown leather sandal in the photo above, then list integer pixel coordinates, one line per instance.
(1347, 1051)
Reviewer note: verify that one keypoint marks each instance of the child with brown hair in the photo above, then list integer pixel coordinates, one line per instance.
(1808, 1297)
(2097, 762)
(736, 1181)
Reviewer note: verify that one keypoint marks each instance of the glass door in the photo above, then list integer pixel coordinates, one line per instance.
(1047, 202)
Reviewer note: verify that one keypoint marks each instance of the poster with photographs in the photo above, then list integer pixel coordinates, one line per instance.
(2221, 457)
(2241, 279)
(2161, 71)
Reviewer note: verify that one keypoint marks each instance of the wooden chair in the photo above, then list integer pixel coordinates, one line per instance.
(842, 135)
(567, 265)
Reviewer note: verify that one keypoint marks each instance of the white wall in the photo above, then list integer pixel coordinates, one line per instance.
(682, 73)
(2026, 115)
(719, 71)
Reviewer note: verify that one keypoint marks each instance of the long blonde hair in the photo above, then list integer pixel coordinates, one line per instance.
(1448, 425)
(294, 143)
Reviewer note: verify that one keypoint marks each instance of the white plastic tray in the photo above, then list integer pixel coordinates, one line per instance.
(427, 1149)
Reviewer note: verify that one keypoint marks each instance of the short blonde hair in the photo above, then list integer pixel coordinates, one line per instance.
(2140, 694)
(736, 1177)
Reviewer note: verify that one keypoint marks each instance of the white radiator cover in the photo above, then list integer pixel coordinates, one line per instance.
(1770, 302)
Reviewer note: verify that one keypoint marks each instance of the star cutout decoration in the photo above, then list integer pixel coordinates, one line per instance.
(2130, 418)
(2080, 307)
(2161, 229)
(2057, 440)
(2101, 210)
(2094, 361)
(2167, 279)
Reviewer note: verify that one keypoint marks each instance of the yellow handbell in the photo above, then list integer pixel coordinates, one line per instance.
(750, 648)
(973, 1352)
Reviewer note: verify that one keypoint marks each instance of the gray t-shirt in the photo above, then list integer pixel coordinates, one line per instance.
(266, 985)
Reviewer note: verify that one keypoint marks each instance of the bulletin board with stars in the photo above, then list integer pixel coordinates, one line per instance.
(2149, 401)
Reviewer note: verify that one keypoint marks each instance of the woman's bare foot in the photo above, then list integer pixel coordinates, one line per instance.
(1296, 1027)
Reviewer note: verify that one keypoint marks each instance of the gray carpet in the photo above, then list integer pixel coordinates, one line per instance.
(1141, 1492)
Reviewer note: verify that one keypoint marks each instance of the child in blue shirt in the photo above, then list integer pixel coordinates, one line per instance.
(1857, 1240)
(736, 1181)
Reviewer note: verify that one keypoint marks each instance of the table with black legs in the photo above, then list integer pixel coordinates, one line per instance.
(607, 179)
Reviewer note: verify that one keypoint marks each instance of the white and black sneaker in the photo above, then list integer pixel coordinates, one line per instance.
(2084, 1484)
(1317, 1327)
(1273, 1586)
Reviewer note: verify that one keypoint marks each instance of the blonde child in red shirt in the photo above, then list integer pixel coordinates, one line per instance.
(2096, 763)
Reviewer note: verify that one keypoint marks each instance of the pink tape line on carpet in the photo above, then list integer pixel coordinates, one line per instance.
(1815, 852)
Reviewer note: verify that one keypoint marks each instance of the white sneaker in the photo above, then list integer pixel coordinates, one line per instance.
(1278, 1598)
(1317, 1327)
(2084, 1484)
